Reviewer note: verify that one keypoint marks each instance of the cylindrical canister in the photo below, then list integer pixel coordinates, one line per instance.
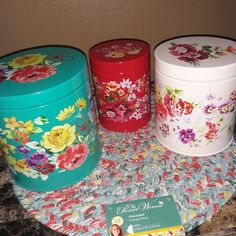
(121, 73)
(195, 100)
(49, 135)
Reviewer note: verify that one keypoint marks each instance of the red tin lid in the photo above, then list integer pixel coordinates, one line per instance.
(119, 55)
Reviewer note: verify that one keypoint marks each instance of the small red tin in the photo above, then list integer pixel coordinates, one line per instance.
(121, 72)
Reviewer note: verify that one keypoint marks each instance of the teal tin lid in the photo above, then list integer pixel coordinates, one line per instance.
(38, 76)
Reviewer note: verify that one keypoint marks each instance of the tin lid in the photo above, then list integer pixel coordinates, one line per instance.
(119, 55)
(197, 58)
(36, 76)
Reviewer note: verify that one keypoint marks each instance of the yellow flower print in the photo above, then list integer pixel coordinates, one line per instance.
(5, 147)
(27, 127)
(112, 86)
(59, 138)
(81, 103)
(19, 166)
(116, 54)
(26, 60)
(11, 123)
(22, 166)
(66, 113)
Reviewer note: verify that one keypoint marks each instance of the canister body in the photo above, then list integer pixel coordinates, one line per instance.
(194, 118)
(54, 143)
(195, 111)
(122, 85)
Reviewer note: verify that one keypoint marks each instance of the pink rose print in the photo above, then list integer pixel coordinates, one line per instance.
(120, 111)
(185, 52)
(33, 73)
(182, 50)
(74, 156)
(193, 55)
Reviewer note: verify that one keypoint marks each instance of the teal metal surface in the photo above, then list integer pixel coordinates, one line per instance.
(48, 131)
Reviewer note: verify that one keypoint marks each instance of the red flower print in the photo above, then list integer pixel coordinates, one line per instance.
(194, 57)
(169, 104)
(161, 112)
(178, 109)
(2, 78)
(211, 126)
(212, 131)
(211, 134)
(45, 168)
(182, 50)
(188, 108)
(231, 50)
(33, 73)
(202, 55)
(188, 59)
(74, 156)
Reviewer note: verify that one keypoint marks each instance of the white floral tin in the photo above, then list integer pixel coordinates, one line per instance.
(195, 101)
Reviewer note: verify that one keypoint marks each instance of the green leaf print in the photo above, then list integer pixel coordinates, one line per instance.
(169, 90)
(41, 120)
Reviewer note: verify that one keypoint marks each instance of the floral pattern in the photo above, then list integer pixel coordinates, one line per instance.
(62, 147)
(194, 53)
(120, 51)
(73, 157)
(133, 166)
(173, 114)
(124, 100)
(29, 68)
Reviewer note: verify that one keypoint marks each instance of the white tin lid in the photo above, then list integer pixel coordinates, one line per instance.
(197, 58)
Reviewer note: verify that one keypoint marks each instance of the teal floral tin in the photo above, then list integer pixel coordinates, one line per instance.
(48, 131)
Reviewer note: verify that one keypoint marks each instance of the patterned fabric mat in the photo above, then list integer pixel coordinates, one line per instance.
(136, 166)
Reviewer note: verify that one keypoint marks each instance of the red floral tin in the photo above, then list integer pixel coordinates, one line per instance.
(121, 71)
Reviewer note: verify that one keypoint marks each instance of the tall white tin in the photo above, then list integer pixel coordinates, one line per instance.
(195, 99)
